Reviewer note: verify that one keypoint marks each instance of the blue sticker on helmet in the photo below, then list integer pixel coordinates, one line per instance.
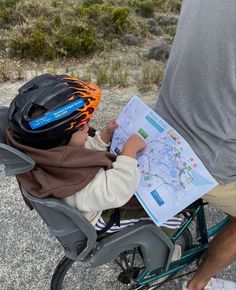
(57, 114)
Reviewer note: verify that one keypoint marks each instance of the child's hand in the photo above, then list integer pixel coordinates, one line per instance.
(111, 127)
(133, 145)
(107, 133)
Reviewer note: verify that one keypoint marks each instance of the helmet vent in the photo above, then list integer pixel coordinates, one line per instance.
(36, 111)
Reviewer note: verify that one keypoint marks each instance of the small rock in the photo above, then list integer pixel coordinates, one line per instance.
(9, 52)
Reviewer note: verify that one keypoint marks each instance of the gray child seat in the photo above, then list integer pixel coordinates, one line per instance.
(77, 236)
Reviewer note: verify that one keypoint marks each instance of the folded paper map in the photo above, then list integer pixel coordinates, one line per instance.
(172, 175)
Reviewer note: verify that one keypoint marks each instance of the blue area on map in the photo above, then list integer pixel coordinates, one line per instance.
(173, 173)
(157, 197)
(199, 179)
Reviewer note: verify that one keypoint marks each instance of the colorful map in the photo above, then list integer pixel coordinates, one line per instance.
(172, 175)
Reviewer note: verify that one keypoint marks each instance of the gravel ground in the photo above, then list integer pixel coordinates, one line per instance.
(28, 253)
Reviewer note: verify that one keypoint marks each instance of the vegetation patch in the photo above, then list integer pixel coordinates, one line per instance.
(11, 70)
(48, 29)
(115, 43)
(159, 52)
(152, 74)
(145, 9)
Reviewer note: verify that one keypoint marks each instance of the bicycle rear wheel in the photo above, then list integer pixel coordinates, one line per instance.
(185, 240)
(77, 275)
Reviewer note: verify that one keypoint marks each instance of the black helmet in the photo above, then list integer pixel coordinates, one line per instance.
(49, 108)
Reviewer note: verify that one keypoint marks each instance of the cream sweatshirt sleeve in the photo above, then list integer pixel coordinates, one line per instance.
(110, 188)
(96, 142)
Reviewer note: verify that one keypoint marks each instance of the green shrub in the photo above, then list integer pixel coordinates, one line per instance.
(76, 41)
(145, 9)
(57, 3)
(170, 30)
(7, 12)
(99, 16)
(168, 24)
(29, 9)
(119, 18)
(161, 51)
(87, 3)
(130, 39)
(109, 21)
(168, 6)
(34, 46)
(136, 25)
(47, 39)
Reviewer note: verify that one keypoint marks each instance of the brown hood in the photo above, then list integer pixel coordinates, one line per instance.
(60, 171)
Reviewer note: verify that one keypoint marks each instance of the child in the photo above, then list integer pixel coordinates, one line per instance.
(48, 121)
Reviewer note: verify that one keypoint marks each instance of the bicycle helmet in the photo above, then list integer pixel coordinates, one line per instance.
(50, 108)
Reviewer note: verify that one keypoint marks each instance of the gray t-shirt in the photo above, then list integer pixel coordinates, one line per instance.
(198, 95)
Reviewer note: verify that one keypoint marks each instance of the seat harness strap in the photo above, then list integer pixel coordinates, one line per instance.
(114, 219)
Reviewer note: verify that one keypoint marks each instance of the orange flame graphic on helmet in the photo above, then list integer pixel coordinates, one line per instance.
(90, 93)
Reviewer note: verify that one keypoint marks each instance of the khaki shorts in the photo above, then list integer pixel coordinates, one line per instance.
(223, 197)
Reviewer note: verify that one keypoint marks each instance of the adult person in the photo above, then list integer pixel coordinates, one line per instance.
(198, 98)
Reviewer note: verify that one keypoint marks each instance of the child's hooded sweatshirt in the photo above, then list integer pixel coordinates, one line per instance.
(89, 179)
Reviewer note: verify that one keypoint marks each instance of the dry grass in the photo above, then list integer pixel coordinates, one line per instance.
(11, 70)
(151, 74)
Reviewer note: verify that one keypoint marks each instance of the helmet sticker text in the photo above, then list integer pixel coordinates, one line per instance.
(56, 115)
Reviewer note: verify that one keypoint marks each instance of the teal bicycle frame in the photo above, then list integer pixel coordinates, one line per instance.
(196, 210)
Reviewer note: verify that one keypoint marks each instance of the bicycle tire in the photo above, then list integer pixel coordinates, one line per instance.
(187, 240)
(60, 272)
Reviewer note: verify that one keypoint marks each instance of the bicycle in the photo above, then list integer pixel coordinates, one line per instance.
(137, 277)
(142, 252)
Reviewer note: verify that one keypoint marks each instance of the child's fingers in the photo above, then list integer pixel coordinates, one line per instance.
(113, 124)
(116, 125)
(113, 121)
